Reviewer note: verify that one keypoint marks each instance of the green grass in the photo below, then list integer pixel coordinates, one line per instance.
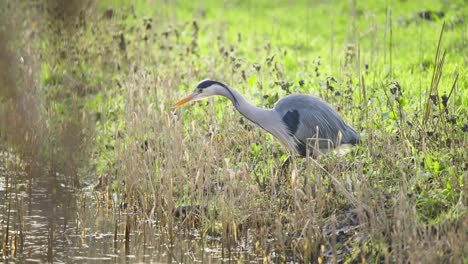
(401, 195)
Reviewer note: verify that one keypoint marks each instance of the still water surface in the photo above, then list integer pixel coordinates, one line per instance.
(48, 221)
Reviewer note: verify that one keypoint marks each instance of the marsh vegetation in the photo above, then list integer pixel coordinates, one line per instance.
(95, 165)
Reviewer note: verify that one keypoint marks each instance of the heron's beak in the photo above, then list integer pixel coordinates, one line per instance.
(183, 101)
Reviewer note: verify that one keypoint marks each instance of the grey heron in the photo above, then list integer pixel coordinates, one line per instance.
(302, 123)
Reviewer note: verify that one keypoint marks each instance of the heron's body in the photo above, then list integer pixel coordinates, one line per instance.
(297, 120)
(314, 121)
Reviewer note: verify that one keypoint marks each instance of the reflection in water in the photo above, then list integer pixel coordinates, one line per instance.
(46, 221)
(35, 210)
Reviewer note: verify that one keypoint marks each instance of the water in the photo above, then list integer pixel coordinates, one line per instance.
(49, 221)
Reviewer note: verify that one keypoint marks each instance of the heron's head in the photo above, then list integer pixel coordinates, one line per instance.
(204, 89)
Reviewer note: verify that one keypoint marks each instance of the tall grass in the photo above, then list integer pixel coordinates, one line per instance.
(400, 197)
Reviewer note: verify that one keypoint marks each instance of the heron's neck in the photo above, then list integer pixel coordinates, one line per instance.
(260, 116)
(268, 119)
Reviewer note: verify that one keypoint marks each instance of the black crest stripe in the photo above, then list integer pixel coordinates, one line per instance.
(208, 83)
(229, 90)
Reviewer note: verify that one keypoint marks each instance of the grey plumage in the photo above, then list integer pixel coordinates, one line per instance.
(297, 120)
(318, 123)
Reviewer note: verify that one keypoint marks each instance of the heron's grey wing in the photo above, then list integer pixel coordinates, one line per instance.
(320, 124)
(316, 119)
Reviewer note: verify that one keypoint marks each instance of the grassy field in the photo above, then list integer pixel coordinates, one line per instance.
(92, 90)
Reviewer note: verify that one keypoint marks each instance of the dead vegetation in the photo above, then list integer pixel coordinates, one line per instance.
(400, 197)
